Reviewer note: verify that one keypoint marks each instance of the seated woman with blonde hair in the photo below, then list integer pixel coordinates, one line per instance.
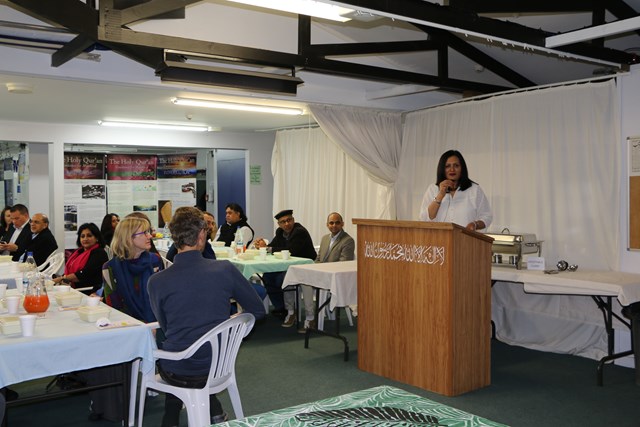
(126, 274)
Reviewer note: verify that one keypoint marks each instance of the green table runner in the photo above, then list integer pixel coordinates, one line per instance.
(378, 406)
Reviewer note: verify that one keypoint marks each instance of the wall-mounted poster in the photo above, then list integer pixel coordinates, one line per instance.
(131, 167)
(176, 184)
(85, 192)
(132, 185)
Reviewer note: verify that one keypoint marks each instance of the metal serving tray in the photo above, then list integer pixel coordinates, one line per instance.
(514, 245)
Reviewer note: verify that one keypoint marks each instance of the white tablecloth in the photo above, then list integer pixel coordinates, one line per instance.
(339, 278)
(10, 274)
(62, 342)
(624, 286)
(270, 265)
(555, 312)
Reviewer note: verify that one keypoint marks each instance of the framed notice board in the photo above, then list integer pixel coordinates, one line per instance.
(634, 192)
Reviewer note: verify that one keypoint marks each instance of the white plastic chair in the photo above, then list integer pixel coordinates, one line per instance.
(52, 264)
(166, 262)
(225, 340)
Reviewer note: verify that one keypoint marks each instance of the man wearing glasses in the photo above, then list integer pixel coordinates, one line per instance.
(296, 239)
(42, 242)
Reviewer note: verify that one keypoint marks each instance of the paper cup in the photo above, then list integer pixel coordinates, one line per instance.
(3, 289)
(285, 254)
(62, 288)
(28, 324)
(19, 286)
(93, 301)
(263, 255)
(13, 303)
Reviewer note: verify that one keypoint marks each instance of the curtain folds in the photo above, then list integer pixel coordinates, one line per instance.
(314, 177)
(371, 138)
(548, 160)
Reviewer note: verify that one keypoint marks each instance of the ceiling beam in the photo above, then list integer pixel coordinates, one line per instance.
(479, 57)
(373, 48)
(590, 33)
(487, 30)
(524, 6)
(74, 15)
(368, 72)
(152, 8)
(70, 50)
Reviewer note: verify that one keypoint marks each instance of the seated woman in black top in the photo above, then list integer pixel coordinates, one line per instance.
(108, 226)
(84, 266)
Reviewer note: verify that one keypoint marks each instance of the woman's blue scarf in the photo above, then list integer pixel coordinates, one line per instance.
(124, 272)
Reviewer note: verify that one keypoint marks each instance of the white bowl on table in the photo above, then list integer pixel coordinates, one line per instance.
(10, 325)
(68, 299)
(93, 313)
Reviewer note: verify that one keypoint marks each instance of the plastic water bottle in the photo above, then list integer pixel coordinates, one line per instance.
(31, 262)
(239, 243)
(30, 270)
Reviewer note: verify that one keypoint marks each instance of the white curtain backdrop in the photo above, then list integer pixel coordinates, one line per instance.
(549, 162)
(314, 177)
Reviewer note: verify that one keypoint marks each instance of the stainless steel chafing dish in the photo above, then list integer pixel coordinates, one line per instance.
(508, 248)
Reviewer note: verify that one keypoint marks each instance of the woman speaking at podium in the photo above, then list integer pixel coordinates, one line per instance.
(454, 197)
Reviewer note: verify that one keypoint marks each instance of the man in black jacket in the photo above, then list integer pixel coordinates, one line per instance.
(296, 239)
(19, 231)
(42, 242)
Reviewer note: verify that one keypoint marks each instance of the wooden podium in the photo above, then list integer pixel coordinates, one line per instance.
(424, 304)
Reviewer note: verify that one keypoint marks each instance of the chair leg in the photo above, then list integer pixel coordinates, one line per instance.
(234, 395)
(143, 395)
(198, 412)
(348, 311)
(135, 366)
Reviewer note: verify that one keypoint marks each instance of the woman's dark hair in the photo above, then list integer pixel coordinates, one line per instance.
(3, 223)
(94, 230)
(106, 223)
(237, 208)
(464, 181)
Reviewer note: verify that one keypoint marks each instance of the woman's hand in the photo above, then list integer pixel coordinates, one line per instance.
(446, 184)
(475, 225)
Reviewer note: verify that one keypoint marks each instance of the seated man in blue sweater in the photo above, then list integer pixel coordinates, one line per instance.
(189, 299)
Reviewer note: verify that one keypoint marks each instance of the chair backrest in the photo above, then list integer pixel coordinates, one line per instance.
(52, 264)
(225, 340)
(166, 262)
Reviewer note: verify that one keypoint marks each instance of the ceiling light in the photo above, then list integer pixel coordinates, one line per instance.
(21, 88)
(146, 125)
(590, 33)
(303, 7)
(238, 106)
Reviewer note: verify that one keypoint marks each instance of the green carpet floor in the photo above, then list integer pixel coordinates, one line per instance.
(528, 388)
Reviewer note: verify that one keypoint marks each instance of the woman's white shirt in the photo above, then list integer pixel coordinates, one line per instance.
(461, 208)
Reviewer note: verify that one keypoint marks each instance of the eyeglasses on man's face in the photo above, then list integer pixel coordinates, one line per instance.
(285, 220)
(140, 233)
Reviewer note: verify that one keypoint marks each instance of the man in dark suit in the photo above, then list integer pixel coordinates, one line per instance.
(19, 231)
(42, 242)
(335, 246)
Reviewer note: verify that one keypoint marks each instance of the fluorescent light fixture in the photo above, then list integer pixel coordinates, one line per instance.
(146, 125)
(238, 106)
(303, 7)
(604, 30)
